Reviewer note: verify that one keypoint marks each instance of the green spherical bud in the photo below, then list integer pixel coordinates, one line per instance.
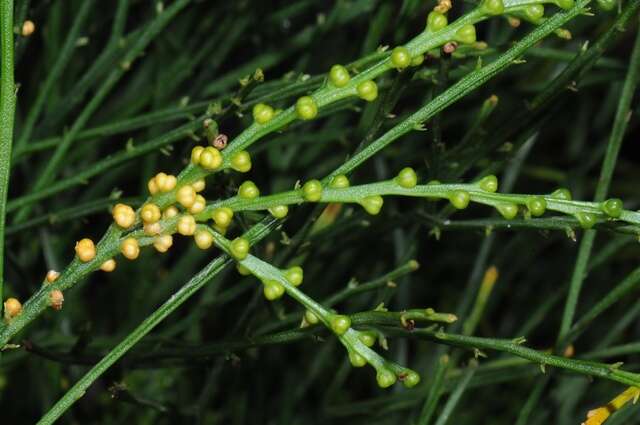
(565, 4)
(562, 194)
(586, 220)
(272, 290)
(417, 60)
(385, 378)
(262, 113)
(243, 270)
(312, 191)
(339, 76)
(241, 162)
(612, 207)
(368, 338)
(248, 190)
(367, 90)
(340, 324)
(222, 216)
(239, 248)
(436, 21)
(279, 211)
(534, 12)
(400, 57)
(459, 199)
(356, 359)
(339, 182)
(410, 379)
(537, 205)
(294, 275)
(493, 7)
(508, 211)
(306, 108)
(407, 178)
(607, 5)
(310, 317)
(489, 183)
(372, 204)
(466, 34)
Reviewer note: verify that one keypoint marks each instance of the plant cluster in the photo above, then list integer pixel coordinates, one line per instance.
(227, 216)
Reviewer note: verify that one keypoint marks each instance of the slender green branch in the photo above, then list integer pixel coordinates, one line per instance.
(419, 45)
(95, 206)
(620, 124)
(464, 86)
(142, 121)
(7, 112)
(621, 290)
(276, 282)
(49, 171)
(198, 281)
(435, 391)
(482, 192)
(567, 224)
(455, 396)
(54, 73)
(515, 347)
(352, 288)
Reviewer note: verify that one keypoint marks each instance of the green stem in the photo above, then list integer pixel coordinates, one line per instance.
(621, 290)
(7, 112)
(435, 391)
(142, 121)
(359, 194)
(620, 124)
(183, 294)
(48, 173)
(464, 86)
(422, 43)
(455, 396)
(54, 74)
(532, 401)
(515, 347)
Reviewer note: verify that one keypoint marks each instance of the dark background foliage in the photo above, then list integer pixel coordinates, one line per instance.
(184, 372)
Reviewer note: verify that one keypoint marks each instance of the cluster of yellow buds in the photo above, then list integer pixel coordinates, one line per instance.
(161, 182)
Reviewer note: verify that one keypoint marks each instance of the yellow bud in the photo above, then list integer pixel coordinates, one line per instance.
(150, 213)
(160, 179)
(210, 158)
(52, 276)
(170, 212)
(195, 154)
(152, 186)
(123, 215)
(85, 250)
(203, 239)
(199, 205)
(198, 185)
(151, 229)
(186, 225)
(12, 308)
(186, 196)
(56, 298)
(222, 216)
(163, 243)
(165, 182)
(108, 266)
(28, 27)
(130, 248)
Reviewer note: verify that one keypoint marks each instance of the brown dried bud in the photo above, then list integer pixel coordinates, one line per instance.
(56, 299)
(220, 142)
(450, 47)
